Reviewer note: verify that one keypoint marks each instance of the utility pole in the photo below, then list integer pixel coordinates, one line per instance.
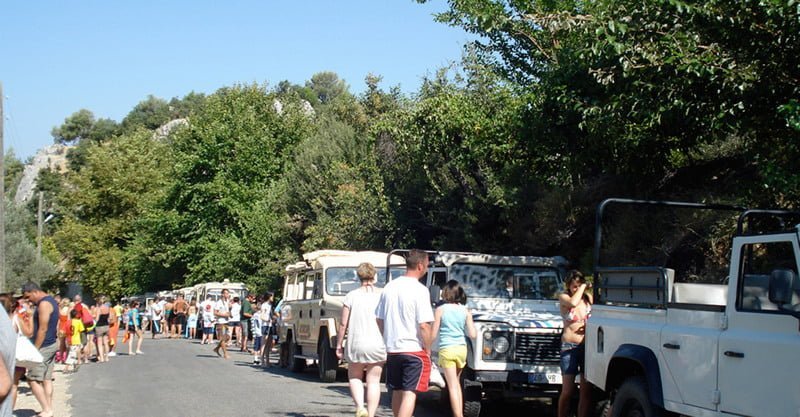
(2, 194)
(39, 225)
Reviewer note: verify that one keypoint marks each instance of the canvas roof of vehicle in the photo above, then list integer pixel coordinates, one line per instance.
(327, 258)
(450, 258)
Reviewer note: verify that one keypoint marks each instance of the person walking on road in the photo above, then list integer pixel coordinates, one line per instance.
(247, 314)
(45, 330)
(453, 323)
(154, 310)
(576, 306)
(105, 317)
(207, 311)
(365, 352)
(134, 329)
(267, 327)
(191, 322)
(405, 318)
(180, 308)
(222, 313)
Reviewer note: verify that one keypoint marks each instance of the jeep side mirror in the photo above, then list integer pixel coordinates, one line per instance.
(780, 286)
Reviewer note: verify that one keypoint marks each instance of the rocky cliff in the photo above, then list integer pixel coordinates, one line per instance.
(53, 157)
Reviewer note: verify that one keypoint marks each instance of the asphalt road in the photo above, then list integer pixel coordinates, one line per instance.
(184, 378)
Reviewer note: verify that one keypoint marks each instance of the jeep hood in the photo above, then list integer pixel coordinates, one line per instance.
(520, 319)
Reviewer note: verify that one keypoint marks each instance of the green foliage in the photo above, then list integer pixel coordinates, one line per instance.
(149, 114)
(105, 199)
(13, 174)
(22, 264)
(327, 86)
(75, 127)
(234, 150)
(336, 191)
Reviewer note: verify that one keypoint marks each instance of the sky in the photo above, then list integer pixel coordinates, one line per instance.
(58, 57)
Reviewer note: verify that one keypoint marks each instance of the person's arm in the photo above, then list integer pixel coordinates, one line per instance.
(426, 331)
(470, 327)
(437, 320)
(342, 330)
(5, 380)
(26, 324)
(112, 316)
(44, 311)
(575, 300)
(380, 325)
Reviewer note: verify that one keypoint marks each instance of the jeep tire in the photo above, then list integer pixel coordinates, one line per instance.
(328, 362)
(295, 364)
(632, 400)
(471, 392)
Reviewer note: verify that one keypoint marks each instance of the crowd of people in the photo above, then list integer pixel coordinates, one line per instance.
(393, 327)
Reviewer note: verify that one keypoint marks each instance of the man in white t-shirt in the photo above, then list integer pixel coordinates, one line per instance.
(154, 311)
(222, 312)
(405, 318)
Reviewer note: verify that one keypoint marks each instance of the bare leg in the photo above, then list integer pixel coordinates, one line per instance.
(355, 374)
(373, 388)
(17, 377)
(451, 375)
(38, 389)
(403, 403)
(585, 397)
(140, 336)
(567, 388)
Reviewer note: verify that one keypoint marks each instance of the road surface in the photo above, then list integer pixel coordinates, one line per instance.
(183, 378)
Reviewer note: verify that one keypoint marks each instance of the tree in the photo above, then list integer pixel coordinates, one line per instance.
(335, 189)
(75, 127)
(234, 149)
(150, 113)
(22, 264)
(105, 199)
(692, 86)
(327, 86)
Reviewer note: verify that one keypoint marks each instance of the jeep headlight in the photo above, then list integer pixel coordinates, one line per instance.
(496, 345)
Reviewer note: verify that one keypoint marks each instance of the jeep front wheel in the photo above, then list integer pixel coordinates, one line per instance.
(632, 400)
(471, 393)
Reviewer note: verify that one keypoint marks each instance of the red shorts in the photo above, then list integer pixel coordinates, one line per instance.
(408, 371)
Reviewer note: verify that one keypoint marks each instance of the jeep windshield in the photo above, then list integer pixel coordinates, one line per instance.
(341, 280)
(502, 281)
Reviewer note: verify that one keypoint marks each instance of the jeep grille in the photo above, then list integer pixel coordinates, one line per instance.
(538, 348)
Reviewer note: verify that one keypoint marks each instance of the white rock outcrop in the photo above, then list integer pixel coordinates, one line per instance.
(53, 157)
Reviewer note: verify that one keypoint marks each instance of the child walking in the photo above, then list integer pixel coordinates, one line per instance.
(452, 321)
(75, 355)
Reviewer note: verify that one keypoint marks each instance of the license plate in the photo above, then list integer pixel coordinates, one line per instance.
(544, 378)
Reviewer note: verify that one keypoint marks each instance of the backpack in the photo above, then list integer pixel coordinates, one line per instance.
(86, 317)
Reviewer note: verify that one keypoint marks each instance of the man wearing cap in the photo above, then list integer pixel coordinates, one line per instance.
(45, 327)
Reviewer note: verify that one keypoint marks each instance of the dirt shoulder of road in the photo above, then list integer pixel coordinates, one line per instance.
(27, 406)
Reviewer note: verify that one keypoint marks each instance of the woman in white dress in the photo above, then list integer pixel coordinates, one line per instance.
(364, 351)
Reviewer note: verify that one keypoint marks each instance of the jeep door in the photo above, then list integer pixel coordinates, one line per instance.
(759, 371)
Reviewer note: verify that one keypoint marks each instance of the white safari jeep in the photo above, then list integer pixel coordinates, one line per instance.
(313, 295)
(663, 344)
(516, 315)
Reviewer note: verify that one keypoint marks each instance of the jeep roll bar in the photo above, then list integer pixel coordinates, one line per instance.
(744, 226)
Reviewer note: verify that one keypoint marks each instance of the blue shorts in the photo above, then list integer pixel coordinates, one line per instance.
(208, 330)
(572, 357)
(408, 371)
